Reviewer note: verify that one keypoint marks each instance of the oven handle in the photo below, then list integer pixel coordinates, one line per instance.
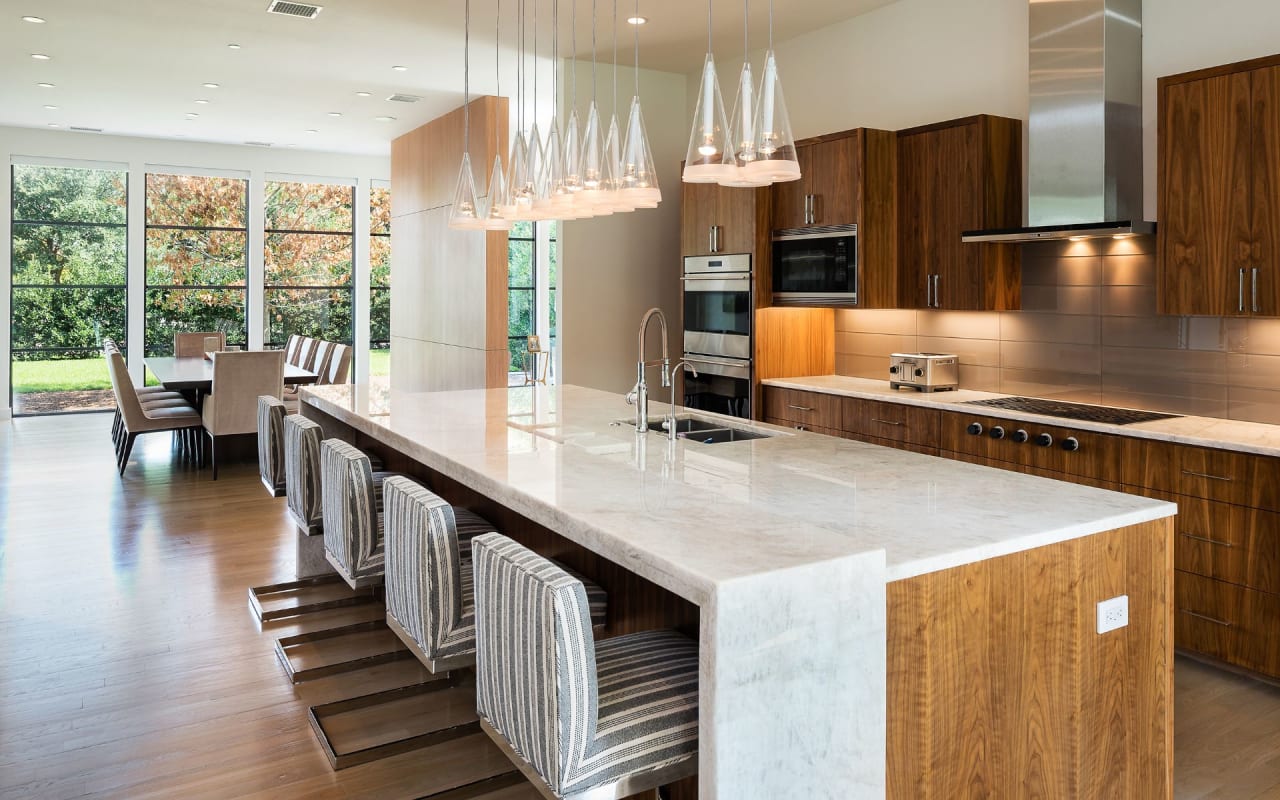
(716, 284)
(729, 368)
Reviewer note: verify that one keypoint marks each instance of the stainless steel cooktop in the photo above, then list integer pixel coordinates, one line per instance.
(1078, 411)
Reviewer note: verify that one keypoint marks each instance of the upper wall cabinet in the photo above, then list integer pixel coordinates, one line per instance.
(848, 178)
(952, 177)
(715, 219)
(1219, 190)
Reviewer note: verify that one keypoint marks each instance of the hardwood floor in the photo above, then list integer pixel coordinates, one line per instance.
(130, 665)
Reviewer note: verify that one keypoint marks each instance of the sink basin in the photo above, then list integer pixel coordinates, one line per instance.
(720, 435)
(684, 424)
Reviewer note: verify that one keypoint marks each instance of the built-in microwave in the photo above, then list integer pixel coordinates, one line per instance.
(816, 266)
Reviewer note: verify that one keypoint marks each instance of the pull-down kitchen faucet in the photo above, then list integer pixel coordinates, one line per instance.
(639, 394)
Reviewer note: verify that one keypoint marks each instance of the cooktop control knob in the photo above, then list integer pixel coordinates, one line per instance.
(919, 373)
(1071, 444)
(997, 432)
(1020, 436)
(975, 429)
(894, 370)
(1044, 440)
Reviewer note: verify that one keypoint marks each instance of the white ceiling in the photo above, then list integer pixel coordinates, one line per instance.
(135, 67)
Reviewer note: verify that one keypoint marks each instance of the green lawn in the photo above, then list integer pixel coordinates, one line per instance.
(379, 363)
(60, 376)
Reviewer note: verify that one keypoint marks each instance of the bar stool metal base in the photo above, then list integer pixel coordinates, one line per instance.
(307, 656)
(626, 786)
(358, 582)
(304, 596)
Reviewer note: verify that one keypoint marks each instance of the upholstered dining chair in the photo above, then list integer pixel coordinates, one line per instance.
(192, 345)
(429, 589)
(136, 418)
(148, 396)
(582, 719)
(239, 379)
(339, 366)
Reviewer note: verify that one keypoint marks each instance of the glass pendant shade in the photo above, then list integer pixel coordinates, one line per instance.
(517, 173)
(613, 157)
(774, 147)
(498, 199)
(592, 150)
(742, 139)
(553, 165)
(639, 173)
(467, 213)
(534, 141)
(573, 153)
(705, 161)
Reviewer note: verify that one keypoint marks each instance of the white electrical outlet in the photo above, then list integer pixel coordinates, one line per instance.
(1113, 613)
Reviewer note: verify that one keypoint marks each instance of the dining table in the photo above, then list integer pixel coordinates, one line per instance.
(196, 373)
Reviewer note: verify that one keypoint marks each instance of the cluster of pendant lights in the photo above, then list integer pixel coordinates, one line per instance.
(753, 146)
(587, 172)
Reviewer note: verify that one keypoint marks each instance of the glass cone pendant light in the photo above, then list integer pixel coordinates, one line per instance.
(639, 177)
(518, 183)
(535, 165)
(775, 149)
(553, 168)
(614, 185)
(594, 179)
(499, 198)
(467, 212)
(743, 136)
(709, 158)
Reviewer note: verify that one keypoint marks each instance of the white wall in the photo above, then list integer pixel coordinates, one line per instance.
(613, 269)
(136, 154)
(920, 61)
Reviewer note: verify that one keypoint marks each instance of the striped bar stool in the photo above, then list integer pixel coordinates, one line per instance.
(583, 720)
(271, 415)
(351, 509)
(430, 602)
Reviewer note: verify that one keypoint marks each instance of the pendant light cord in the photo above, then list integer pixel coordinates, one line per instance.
(535, 62)
(637, 54)
(466, 81)
(708, 25)
(593, 51)
(615, 57)
(746, 15)
(573, 56)
(497, 50)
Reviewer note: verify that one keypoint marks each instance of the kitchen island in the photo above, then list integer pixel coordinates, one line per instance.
(856, 606)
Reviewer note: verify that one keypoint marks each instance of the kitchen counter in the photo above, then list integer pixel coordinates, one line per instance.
(1227, 434)
(786, 544)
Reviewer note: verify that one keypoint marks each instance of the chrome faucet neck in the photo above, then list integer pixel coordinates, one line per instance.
(640, 393)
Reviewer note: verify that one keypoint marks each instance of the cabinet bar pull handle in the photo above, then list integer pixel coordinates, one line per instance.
(1224, 623)
(799, 408)
(1218, 542)
(711, 238)
(1255, 290)
(928, 291)
(887, 422)
(1241, 291)
(937, 299)
(1206, 475)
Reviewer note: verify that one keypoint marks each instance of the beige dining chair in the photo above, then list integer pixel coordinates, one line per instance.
(137, 418)
(192, 345)
(320, 364)
(239, 378)
(292, 349)
(339, 365)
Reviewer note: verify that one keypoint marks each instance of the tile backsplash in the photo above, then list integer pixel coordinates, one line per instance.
(1088, 331)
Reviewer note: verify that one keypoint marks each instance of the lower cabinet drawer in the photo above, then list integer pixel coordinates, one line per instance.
(801, 426)
(1228, 622)
(895, 422)
(910, 447)
(1231, 477)
(808, 408)
(1231, 543)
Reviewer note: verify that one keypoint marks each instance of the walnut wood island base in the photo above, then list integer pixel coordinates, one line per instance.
(873, 623)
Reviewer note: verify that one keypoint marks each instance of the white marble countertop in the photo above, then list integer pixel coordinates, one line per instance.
(693, 516)
(1245, 437)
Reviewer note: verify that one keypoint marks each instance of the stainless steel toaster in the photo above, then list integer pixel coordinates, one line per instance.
(927, 372)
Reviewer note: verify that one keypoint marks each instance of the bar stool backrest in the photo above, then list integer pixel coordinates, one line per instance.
(191, 345)
(424, 565)
(535, 656)
(271, 413)
(348, 504)
(302, 471)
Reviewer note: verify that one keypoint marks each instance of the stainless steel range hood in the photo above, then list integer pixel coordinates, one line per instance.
(1084, 170)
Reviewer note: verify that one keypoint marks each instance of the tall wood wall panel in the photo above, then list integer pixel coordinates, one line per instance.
(449, 305)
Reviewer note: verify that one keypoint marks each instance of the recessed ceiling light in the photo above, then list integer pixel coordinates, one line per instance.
(311, 130)
(209, 85)
(40, 56)
(399, 68)
(36, 20)
(364, 94)
(54, 125)
(637, 20)
(290, 145)
(202, 102)
(385, 119)
(45, 85)
(233, 46)
(50, 108)
(192, 115)
(335, 113)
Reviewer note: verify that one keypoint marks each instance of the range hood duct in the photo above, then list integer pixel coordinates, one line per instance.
(1084, 169)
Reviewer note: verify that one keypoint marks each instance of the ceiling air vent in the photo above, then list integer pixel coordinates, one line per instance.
(404, 98)
(84, 129)
(304, 10)
(258, 144)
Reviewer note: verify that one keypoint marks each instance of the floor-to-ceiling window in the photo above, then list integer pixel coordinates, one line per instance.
(380, 279)
(196, 262)
(308, 262)
(68, 261)
(531, 291)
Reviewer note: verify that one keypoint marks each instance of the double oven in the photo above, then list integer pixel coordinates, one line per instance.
(718, 314)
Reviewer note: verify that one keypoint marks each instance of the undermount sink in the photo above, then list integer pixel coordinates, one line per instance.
(706, 431)
(683, 424)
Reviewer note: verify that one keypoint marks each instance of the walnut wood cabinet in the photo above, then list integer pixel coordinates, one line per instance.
(827, 192)
(1219, 190)
(715, 219)
(955, 176)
